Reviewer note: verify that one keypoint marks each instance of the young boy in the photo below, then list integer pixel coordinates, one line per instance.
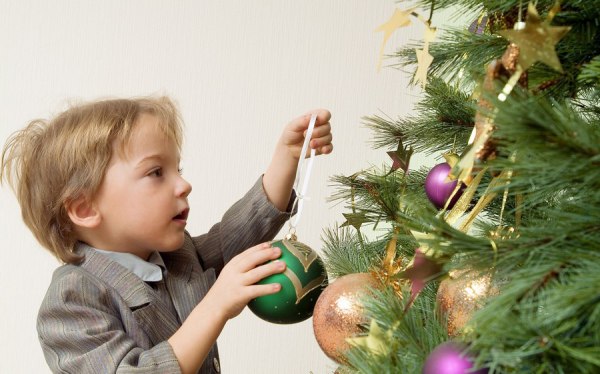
(101, 188)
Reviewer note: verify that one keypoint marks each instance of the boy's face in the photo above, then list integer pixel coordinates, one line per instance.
(142, 200)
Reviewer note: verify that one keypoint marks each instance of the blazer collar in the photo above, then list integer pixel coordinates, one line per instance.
(132, 289)
(146, 306)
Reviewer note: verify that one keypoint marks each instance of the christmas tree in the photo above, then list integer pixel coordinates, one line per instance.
(490, 259)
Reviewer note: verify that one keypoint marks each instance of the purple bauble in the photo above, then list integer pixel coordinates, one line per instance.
(448, 358)
(437, 189)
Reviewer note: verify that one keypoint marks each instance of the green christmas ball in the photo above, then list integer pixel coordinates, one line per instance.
(301, 284)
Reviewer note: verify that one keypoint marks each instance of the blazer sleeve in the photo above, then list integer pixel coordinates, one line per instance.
(251, 220)
(80, 331)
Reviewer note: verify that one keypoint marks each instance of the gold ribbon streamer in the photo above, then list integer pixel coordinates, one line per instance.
(390, 255)
(510, 85)
(509, 174)
(483, 202)
(518, 210)
(463, 202)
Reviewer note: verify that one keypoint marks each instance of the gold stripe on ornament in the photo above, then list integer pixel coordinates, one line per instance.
(306, 256)
(302, 291)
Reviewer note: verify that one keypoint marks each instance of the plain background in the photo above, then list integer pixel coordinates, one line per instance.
(239, 71)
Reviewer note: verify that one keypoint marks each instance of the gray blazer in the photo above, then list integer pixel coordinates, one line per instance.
(98, 317)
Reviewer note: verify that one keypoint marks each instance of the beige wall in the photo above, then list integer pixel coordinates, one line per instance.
(239, 70)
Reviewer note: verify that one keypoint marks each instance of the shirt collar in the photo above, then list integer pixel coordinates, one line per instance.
(148, 271)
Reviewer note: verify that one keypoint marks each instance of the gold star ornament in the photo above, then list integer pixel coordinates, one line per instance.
(537, 39)
(399, 19)
(424, 59)
(355, 220)
(401, 157)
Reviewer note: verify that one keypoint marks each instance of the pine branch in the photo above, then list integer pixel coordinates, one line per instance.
(457, 56)
(375, 194)
(446, 118)
(590, 74)
(343, 252)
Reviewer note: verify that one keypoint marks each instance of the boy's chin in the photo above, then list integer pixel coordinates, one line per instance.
(171, 247)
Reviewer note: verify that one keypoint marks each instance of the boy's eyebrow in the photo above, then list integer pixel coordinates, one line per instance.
(154, 157)
(144, 159)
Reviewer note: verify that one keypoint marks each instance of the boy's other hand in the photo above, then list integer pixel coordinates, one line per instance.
(236, 286)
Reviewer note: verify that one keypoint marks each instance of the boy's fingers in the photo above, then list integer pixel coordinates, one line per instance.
(319, 131)
(257, 248)
(264, 271)
(258, 290)
(302, 122)
(322, 141)
(251, 260)
(323, 115)
(325, 150)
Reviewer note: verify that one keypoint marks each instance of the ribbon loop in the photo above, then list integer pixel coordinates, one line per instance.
(301, 195)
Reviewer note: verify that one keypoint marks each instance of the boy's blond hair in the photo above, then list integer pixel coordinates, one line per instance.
(51, 163)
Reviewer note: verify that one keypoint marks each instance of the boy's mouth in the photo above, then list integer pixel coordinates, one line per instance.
(183, 215)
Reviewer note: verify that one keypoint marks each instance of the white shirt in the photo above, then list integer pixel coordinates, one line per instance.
(148, 271)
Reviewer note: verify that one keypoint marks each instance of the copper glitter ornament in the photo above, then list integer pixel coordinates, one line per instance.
(462, 294)
(339, 313)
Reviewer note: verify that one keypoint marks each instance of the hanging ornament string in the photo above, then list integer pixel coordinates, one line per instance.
(301, 196)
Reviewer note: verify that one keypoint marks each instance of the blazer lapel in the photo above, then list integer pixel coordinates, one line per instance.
(186, 281)
(151, 314)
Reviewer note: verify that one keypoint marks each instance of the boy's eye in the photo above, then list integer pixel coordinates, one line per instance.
(156, 172)
(180, 171)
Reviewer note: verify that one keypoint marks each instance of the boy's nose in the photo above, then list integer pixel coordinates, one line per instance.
(183, 188)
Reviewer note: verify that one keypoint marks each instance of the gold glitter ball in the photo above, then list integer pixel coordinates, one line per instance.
(339, 313)
(461, 295)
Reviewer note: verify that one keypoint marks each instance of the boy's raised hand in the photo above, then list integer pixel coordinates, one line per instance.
(295, 131)
(279, 176)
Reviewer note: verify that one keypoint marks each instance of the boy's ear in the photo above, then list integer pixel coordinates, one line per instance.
(83, 213)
